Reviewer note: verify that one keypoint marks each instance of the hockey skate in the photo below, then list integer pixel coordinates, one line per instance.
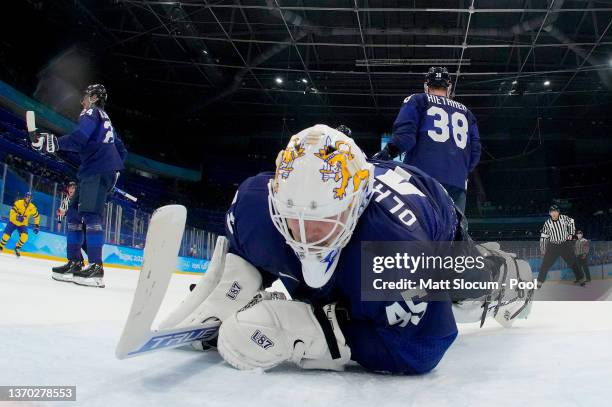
(17, 252)
(91, 276)
(66, 272)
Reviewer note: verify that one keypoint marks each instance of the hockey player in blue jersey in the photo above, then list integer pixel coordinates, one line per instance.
(438, 135)
(69, 209)
(304, 224)
(102, 154)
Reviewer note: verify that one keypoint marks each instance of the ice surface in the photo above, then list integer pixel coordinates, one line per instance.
(54, 333)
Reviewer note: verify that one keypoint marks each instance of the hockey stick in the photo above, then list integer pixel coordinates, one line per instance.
(125, 194)
(31, 126)
(30, 121)
(160, 254)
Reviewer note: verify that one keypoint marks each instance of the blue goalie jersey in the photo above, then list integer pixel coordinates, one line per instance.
(439, 136)
(382, 335)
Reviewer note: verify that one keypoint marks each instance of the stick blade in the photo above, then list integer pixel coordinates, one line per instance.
(160, 255)
(30, 121)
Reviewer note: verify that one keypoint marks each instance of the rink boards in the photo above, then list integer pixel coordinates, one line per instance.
(52, 246)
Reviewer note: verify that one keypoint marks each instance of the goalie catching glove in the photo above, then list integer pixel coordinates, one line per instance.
(46, 142)
(268, 332)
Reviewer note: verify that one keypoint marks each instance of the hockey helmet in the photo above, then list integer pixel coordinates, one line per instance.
(438, 77)
(321, 186)
(99, 91)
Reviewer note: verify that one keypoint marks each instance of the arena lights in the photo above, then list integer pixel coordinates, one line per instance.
(546, 83)
(278, 80)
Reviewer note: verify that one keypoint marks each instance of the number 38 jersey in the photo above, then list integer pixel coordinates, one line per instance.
(407, 205)
(97, 143)
(439, 136)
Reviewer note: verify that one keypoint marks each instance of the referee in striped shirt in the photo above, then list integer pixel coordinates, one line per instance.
(555, 241)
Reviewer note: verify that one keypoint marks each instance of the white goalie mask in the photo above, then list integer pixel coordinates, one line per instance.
(321, 186)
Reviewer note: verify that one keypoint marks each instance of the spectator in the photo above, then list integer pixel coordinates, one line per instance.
(582, 255)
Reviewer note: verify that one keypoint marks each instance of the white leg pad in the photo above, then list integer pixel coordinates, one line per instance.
(206, 284)
(511, 301)
(240, 282)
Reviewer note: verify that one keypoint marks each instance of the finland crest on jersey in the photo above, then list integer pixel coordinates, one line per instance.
(321, 186)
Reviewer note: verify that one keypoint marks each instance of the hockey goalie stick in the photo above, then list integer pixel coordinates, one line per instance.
(160, 254)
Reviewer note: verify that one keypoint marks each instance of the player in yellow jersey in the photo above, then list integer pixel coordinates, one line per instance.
(19, 218)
